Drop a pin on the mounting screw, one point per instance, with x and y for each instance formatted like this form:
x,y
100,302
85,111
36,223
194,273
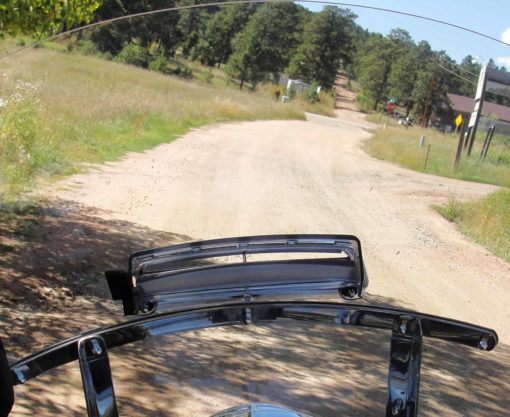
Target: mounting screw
x,y
248,318
247,297
484,344
397,406
349,293
96,348
403,327
20,375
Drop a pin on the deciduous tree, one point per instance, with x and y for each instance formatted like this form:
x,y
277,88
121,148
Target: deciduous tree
x,y
41,18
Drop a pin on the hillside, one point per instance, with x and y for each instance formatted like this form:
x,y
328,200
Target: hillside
x,y
62,109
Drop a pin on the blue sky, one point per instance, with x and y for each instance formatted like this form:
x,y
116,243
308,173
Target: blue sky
x,y
491,17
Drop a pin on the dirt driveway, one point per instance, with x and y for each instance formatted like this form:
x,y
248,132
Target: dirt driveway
x,y
297,177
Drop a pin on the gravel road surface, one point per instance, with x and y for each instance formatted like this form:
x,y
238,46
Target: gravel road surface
x,y
297,177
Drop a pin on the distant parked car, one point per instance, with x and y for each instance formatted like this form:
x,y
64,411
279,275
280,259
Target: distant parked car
x,y
405,121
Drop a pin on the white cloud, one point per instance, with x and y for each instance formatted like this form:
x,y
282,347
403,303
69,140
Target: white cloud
x,y
503,60
505,36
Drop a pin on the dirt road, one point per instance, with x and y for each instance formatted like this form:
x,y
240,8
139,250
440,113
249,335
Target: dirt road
x,y
310,177
270,177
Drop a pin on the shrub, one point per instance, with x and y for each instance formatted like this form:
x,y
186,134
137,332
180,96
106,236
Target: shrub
x,y
209,76
24,148
452,211
134,54
311,93
87,47
159,63
182,72
291,91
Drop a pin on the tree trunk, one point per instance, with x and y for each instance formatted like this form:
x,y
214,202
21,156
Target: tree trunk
x,y
377,100
427,117
408,109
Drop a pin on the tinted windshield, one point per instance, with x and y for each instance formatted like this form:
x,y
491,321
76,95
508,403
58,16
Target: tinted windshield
x,y
190,121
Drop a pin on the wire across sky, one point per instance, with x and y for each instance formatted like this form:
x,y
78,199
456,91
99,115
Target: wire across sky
x,y
230,2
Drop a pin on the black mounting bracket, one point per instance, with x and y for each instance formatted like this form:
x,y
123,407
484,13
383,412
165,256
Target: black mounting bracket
x,y
96,377
405,363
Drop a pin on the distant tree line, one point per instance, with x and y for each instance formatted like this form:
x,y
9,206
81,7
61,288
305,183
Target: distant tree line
x,y
254,42
419,78
257,42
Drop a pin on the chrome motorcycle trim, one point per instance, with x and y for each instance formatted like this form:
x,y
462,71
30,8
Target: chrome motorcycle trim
x,y
256,313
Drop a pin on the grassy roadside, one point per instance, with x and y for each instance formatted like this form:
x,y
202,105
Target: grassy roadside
x,y
62,109
486,221
401,146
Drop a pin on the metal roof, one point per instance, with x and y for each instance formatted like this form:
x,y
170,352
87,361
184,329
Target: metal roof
x,y
466,104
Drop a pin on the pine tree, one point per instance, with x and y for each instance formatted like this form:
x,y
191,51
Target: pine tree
x,y
263,49
326,43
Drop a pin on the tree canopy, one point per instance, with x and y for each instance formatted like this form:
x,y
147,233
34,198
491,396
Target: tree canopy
x,y
258,42
41,18
326,44
264,47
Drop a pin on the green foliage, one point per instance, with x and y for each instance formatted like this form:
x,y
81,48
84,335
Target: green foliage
x,y
134,54
159,29
422,93
209,76
395,66
192,26
41,18
56,122
365,103
326,43
311,93
400,145
182,72
291,91
215,47
25,148
487,220
87,47
452,211
159,63
466,88
374,67
402,78
266,44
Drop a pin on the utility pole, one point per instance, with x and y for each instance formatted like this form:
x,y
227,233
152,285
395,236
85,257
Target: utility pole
x,y
459,145
425,116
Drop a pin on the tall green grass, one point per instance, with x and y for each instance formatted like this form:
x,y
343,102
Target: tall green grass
x,y
487,221
64,109
401,146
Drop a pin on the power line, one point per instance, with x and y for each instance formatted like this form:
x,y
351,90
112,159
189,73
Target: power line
x,y
461,68
472,82
460,76
221,3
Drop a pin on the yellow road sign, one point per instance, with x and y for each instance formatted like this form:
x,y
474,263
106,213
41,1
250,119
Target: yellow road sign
x,y
458,120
